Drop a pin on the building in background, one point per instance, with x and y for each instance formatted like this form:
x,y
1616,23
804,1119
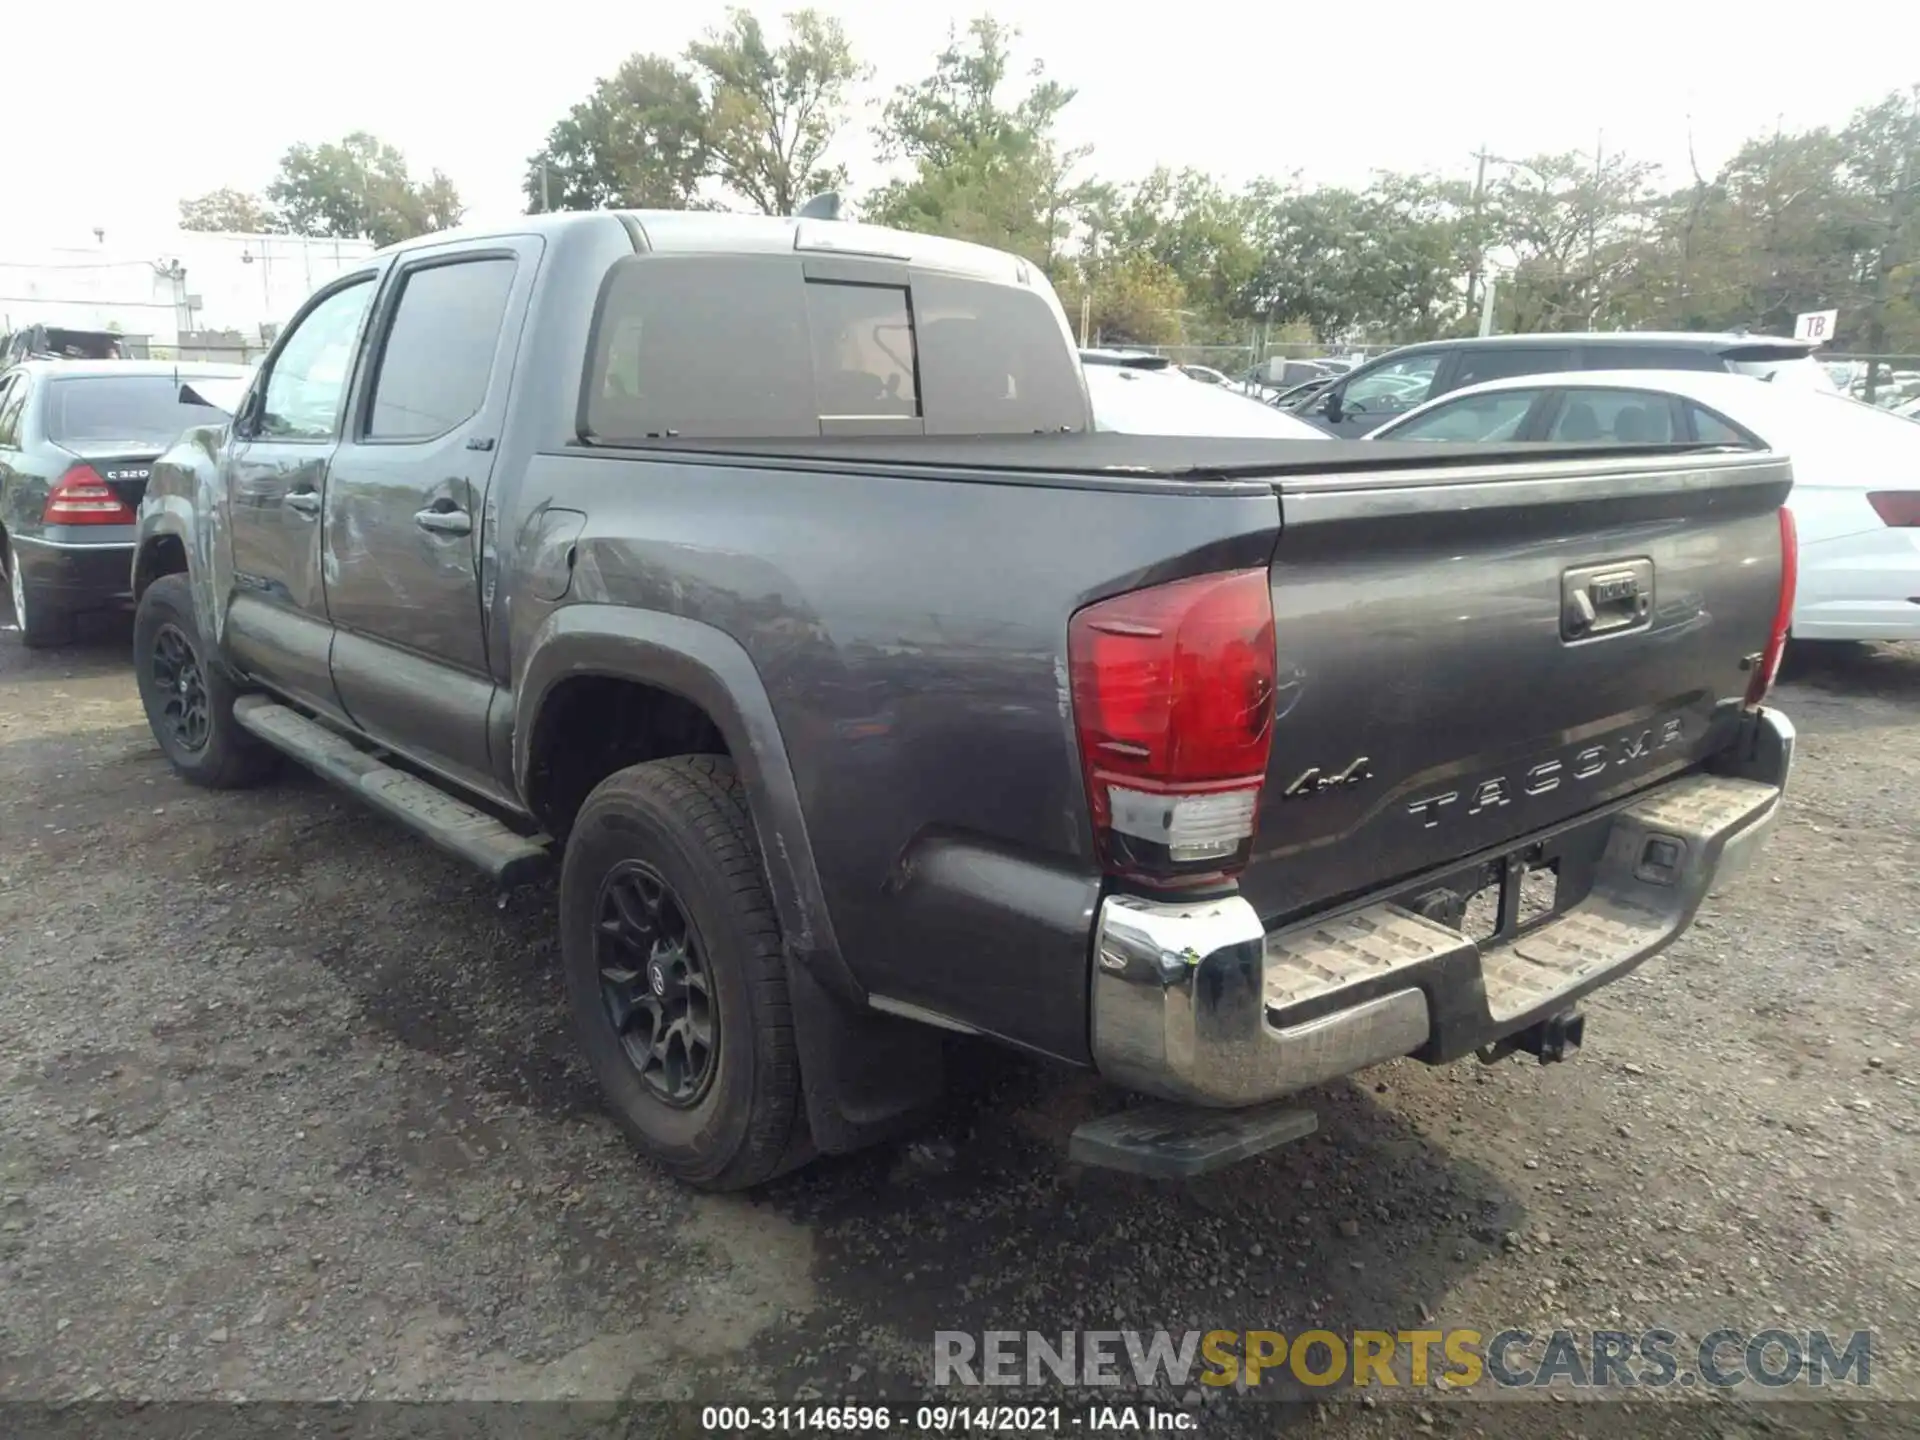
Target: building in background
x,y
175,294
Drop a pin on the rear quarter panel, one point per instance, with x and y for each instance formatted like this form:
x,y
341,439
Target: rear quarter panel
x,y
911,637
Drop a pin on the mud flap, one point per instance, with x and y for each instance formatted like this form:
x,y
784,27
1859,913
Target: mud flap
x,y
866,1076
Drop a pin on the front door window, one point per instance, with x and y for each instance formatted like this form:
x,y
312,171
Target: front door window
x,y
309,376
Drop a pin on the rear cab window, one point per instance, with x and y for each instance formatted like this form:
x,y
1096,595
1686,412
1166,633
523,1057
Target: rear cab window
x,y
776,346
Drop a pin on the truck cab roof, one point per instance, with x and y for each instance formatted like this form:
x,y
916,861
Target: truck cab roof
x,y
716,232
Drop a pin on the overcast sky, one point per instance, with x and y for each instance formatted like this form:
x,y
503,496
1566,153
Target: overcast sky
x,y
122,108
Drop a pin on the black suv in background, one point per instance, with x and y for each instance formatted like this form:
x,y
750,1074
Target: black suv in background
x,y
1396,382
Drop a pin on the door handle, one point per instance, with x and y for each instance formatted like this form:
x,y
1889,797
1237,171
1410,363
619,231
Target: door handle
x,y
306,502
444,522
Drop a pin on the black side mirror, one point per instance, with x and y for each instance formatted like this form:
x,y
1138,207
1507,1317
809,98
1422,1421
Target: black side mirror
x,y
1330,405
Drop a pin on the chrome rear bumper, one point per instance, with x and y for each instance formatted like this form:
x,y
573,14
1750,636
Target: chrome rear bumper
x,y
1200,1003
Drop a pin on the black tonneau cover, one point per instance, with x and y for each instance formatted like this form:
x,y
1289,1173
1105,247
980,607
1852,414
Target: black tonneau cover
x,y
1173,457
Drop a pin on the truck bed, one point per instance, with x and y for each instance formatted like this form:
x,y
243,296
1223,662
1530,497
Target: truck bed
x,y
906,603
1165,457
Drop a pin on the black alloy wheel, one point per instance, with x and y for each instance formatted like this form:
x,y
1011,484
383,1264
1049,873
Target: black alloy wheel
x,y
176,675
655,984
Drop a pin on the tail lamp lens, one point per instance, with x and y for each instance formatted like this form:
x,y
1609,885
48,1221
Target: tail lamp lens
x,y
1173,703
81,497
1769,666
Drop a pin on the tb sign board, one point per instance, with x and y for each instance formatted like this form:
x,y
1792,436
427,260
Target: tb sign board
x,y
1816,325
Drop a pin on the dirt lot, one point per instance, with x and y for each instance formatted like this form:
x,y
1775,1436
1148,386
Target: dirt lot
x,y
288,1109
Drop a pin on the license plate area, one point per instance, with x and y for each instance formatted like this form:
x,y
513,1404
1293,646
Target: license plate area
x,y
1495,896
1498,900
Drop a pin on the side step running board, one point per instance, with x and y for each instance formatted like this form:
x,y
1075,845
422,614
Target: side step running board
x,y
455,826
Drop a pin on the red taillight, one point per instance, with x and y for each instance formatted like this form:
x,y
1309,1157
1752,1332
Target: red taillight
x,y
1173,702
1769,666
81,497
1898,508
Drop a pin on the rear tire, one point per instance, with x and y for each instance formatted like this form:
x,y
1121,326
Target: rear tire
x,y
675,974
188,695
42,625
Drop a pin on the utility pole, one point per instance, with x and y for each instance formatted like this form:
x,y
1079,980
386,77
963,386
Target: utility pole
x,y
1593,225
545,204
1086,297
1479,240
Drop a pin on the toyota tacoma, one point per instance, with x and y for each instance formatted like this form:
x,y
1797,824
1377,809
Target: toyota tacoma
x,y
769,578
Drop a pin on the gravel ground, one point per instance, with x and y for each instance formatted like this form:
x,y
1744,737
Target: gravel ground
x,y
288,1109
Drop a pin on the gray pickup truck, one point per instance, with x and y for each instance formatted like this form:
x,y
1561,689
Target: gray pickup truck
x,y
768,576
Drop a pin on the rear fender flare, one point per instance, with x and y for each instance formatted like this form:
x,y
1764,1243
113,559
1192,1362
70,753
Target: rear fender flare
x,y
184,500
709,668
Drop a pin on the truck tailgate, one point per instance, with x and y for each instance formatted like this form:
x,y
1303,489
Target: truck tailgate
x,y
1469,654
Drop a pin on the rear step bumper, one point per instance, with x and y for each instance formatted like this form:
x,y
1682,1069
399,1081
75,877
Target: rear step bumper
x,y
1199,1003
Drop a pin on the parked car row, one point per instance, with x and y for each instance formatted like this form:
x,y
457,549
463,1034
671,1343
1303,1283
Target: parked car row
x,y
1397,382
1856,469
78,439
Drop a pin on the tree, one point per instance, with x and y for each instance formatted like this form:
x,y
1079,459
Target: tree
x,y
984,169
233,210
773,111
1186,225
1573,229
639,141
1883,169
1129,300
359,186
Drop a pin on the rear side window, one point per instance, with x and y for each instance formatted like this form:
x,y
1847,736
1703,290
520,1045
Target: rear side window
x,y
1650,357
13,399
1712,429
439,349
700,346
995,360
1496,415
1488,362
1616,417
749,347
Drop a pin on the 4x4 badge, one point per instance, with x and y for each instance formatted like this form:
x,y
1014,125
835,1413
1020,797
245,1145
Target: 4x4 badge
x,y
1317,781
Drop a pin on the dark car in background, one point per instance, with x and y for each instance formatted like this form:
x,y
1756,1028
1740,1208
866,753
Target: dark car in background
x,y
57,342
1414,374
77,442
